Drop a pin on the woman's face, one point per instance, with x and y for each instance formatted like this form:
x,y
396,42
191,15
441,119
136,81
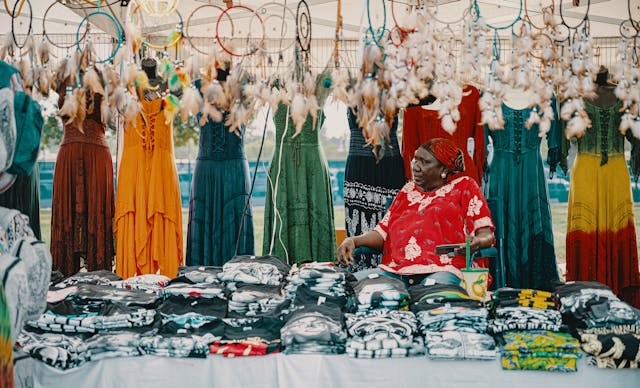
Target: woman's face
x,y
427,170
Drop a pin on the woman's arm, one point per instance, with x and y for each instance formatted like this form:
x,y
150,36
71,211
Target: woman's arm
x,y
371,239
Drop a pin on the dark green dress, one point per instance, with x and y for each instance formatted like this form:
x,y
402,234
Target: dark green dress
x,y
299,203
219,191
518,187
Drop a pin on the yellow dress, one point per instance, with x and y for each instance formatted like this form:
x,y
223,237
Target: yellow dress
x,y
131,226
164,209
148,207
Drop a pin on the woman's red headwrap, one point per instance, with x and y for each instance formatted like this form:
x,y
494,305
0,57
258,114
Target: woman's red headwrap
x,y
447,153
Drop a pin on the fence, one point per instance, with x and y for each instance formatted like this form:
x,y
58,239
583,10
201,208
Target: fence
x,y
558,186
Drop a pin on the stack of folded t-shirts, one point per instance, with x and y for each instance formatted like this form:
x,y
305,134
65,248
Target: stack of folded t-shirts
x,y
195,290
267,270
528,327
88,308
523,309
608,328
57,350
101,277
383,333
453,324
321,277
540,350
187,314
178,345
197,274
316,324
248,337
149,282
613,350
382,292
251,300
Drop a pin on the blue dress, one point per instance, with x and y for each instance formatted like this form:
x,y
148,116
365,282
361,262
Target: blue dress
x,y
219,191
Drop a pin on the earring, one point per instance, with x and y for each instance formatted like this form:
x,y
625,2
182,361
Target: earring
x,y
443,175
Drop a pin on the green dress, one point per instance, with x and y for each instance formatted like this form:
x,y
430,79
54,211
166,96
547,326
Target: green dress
x,y
518,191
298,214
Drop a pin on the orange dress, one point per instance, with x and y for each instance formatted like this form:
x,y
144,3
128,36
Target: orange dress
x,y
131,228
149,221
164,209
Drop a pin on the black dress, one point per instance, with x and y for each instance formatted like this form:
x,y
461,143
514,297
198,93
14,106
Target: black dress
x,y
369,187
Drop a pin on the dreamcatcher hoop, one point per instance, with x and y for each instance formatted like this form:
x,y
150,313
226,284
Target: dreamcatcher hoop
x,y
382,29
219,40
46,36
285,10
519,17
395,21
188,25
584,20
433,16
13,21
150,10
303,26
115,23
14,14
158,47
550,8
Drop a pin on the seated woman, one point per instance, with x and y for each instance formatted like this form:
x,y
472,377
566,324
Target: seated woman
x,y
427,212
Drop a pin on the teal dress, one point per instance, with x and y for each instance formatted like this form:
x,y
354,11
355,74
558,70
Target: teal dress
x,y
518,193
219,191
298,213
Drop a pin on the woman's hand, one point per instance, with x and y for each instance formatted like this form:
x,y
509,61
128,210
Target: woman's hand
x,y
482,239
345,252
474,245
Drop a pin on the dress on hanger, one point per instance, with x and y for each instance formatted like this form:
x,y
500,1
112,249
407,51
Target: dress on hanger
x,y
164,208
219,191
369,186
131,226
601,234
422,124
82,203
299,204
518,186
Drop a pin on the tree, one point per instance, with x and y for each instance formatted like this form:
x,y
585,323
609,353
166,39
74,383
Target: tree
x,y
51,132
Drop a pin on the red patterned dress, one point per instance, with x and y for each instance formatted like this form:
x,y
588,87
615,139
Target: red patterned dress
x,y
418,221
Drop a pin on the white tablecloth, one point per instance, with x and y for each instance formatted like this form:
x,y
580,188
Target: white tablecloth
x,y
310,371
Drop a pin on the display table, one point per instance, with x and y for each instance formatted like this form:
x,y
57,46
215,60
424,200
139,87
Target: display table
x,y
310,371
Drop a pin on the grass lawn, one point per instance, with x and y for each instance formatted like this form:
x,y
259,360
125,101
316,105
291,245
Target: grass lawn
x,y
558,215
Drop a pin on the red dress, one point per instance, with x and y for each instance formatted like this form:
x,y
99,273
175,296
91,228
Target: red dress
x,y
422,124
418,221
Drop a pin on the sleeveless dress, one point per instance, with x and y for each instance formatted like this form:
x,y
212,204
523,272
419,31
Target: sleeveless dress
x,y
421,124
131,227
518,186
298,213
164,209
83,198
601,234
219,191
369,187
